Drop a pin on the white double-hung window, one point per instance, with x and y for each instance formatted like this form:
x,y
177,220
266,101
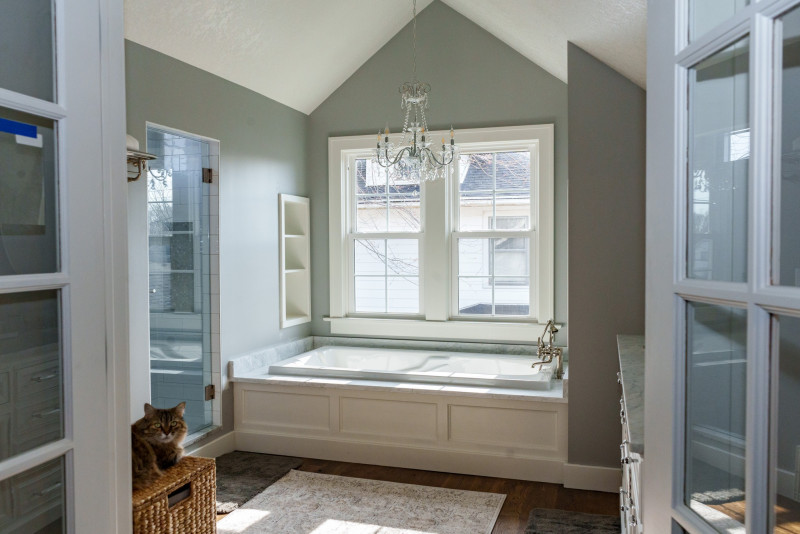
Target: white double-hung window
x,y
466,257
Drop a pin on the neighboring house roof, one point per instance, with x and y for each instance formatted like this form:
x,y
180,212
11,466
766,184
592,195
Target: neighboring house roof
x,y
510,172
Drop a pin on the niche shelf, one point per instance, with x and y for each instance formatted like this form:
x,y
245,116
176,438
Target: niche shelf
x,y
295,258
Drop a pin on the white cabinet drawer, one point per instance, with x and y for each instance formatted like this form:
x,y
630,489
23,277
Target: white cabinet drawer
x,y
5,386
36,424
35,381
38,489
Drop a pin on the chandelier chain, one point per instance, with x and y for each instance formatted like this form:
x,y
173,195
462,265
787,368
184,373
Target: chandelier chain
x,y
417,154
415,40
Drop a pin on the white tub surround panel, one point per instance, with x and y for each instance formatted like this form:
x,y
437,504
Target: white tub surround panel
x,y
404,425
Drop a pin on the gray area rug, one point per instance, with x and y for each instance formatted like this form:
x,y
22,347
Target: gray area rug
x,y
543,521
711,485
304,502
243,475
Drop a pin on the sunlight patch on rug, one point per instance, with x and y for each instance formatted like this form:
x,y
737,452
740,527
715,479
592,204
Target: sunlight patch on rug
x,y
313,503
332,526
248,518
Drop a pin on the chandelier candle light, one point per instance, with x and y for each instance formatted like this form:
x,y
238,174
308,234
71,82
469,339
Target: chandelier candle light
x,y
417,158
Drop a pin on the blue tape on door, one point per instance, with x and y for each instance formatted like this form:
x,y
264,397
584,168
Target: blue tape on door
x,y
17,128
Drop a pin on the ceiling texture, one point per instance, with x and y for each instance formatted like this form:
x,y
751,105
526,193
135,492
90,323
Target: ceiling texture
x,y
298,52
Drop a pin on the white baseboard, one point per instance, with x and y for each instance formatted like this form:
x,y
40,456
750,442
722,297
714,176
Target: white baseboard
x,y
718,449
592,477
448,461
222,445
728,454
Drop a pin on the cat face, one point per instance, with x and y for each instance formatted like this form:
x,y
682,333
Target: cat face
x,y
164,426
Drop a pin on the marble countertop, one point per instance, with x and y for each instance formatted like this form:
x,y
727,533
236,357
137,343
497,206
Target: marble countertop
x,y
631,365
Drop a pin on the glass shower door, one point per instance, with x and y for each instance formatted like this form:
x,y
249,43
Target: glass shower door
x,y
179,273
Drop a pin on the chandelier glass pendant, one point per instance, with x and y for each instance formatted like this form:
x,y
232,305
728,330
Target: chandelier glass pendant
x,y
415,156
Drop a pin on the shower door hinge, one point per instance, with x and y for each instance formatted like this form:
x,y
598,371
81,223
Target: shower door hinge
x,y
210,392
206,175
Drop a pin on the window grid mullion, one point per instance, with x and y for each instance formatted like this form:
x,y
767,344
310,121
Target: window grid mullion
x,y
386,191
494,190
491,271
762,113
386,269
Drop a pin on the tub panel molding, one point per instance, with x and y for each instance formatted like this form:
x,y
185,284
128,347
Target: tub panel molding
x,y
507,428
403,420
288,411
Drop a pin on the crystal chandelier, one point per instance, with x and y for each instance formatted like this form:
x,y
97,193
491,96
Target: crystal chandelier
x,y
415,156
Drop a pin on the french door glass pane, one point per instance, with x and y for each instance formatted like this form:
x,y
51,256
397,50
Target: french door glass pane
x,y
719,154
786,513
704,15
31,397
716,369
26,38
28,206
786,269
33,502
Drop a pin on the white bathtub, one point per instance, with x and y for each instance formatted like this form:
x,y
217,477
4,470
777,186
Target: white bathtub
x,y
395,365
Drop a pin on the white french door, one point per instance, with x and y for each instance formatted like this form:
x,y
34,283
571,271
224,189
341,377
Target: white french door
x,y
64,459
722,444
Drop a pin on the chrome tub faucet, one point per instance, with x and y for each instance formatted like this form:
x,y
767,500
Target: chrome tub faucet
x,y
546,353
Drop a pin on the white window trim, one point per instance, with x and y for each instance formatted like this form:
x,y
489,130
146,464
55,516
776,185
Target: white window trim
x,y
440,321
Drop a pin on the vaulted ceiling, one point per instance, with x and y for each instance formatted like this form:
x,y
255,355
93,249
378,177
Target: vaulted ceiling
x,y
299,51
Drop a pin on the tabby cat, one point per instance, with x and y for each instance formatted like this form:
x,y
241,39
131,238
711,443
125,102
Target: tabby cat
x,y
156,442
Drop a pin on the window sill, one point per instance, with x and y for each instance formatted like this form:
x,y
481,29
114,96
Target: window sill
x,y
441,330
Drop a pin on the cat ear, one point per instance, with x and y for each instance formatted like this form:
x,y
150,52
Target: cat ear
x,y
180,408
148,409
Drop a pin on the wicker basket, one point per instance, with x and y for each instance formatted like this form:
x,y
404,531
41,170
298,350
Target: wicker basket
x,y
183,501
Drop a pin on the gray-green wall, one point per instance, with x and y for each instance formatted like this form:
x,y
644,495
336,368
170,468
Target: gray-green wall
x,y
263,153
477,81
606,247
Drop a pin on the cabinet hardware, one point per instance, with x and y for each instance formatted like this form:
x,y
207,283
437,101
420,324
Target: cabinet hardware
x,y
42,378
41,415
46,491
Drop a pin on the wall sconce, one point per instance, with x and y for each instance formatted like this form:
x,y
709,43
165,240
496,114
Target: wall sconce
x,y
136,159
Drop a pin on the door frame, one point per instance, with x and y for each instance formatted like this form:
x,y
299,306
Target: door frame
x,y
667,287
90,114
214,282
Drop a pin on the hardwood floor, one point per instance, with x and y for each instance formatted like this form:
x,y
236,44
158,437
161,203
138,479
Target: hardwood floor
x,y
521,496
787,514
